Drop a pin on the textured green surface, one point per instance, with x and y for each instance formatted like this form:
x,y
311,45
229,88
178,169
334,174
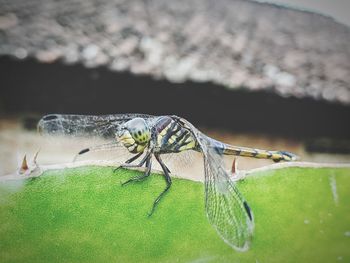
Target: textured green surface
x,y
84,215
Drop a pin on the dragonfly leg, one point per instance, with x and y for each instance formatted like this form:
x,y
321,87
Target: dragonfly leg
x,y
144,175
128,165
135,157
168,183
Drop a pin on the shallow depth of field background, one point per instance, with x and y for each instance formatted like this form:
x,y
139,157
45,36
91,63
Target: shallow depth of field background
x,y
247,73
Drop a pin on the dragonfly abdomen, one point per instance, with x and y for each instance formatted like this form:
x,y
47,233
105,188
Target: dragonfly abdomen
x,y
226,149
258,153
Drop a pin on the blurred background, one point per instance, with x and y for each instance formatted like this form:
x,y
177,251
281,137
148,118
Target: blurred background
x,y
258,74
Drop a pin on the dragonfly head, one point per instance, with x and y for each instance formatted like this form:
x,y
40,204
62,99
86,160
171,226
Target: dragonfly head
x,y
134,133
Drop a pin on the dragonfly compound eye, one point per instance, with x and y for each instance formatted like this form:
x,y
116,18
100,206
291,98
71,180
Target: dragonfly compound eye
x,y
139,130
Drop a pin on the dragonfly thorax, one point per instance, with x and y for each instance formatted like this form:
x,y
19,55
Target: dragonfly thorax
x,y
134,135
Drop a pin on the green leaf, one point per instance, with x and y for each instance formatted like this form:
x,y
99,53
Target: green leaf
x,y
85,215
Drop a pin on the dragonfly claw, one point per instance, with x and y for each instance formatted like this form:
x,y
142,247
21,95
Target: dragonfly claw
x,y
127,182
116,169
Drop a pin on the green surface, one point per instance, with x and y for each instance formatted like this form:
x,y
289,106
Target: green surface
x,y
84,215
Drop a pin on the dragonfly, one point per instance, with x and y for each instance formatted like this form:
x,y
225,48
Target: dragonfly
x,y
145,136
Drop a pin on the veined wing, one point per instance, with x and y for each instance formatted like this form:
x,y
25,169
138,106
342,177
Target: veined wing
x,y
183,163
226,209
80,125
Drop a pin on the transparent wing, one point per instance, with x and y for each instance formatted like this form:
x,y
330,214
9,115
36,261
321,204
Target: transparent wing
x,y
80,125
227,210
187,164
117,154
113,150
